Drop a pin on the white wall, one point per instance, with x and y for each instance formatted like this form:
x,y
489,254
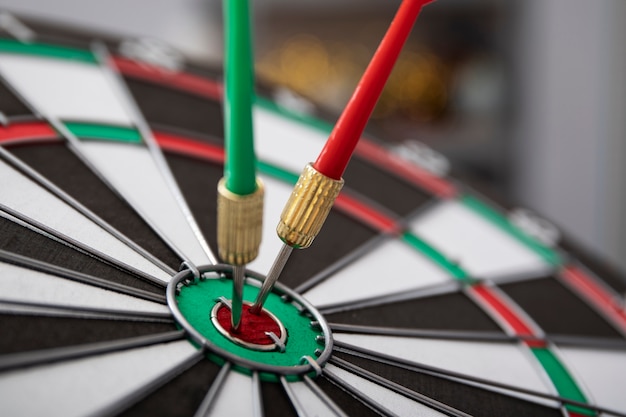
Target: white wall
x,y
187,25
570,149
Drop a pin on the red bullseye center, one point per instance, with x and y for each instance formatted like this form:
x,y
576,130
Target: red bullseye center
x,y
253,328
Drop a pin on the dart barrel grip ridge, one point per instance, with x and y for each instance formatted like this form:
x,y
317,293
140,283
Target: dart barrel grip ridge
x,y
307,208
239,224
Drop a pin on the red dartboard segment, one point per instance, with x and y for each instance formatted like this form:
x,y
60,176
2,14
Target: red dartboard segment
x,y
18,132
412,173
189,147
596,294
367,214
492,301
180,80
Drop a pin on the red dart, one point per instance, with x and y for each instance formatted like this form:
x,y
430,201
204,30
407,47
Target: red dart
x,y
320,183
335,155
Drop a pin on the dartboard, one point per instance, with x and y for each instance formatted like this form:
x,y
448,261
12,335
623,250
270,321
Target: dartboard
x,y
419,297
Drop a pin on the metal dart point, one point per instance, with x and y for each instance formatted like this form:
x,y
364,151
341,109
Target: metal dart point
x,y
272,277
301,220
237,300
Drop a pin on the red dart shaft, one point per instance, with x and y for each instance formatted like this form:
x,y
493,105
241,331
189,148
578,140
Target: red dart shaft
x,y
338,149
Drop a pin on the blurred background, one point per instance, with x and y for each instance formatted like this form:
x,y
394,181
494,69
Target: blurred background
x,y
527,98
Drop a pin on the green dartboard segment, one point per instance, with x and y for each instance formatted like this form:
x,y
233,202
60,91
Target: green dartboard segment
x,y
195,302
562,380
311,121
278,173
49,51
104,132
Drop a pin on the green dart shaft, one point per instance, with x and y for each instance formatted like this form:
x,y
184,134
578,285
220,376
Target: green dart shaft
x,y
240,164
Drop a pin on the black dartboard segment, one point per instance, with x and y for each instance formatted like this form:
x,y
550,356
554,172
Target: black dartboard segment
x,y
348,403
22,241
188,112
444,312
380,186
12,106
571,317
180,396
23,333
438,302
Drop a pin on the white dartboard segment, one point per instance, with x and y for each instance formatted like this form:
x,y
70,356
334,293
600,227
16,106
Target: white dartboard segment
x,y
90,385
25,196
602,372
391,268
132,170
234,397
477,245
508,364
64,89
22,285
277,136
390,400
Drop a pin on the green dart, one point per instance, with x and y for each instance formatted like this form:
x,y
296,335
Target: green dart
x,y
240,193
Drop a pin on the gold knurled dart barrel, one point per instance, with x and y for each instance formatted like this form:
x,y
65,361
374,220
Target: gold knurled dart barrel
x,y
239,224
307,208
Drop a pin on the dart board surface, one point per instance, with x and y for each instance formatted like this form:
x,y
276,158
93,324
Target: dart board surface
x,y
419,297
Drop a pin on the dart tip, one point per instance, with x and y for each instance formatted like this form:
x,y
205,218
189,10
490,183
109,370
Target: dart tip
x,y
237,301
272,277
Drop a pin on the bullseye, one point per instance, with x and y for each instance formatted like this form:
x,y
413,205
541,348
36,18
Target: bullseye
x,y
261,331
